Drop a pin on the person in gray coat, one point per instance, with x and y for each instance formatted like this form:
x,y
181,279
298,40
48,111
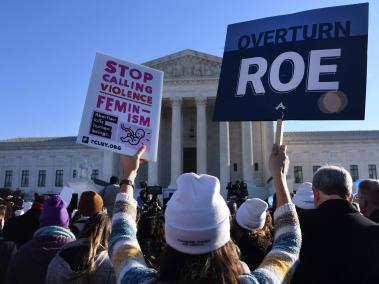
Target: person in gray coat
x,y
85,260
109,195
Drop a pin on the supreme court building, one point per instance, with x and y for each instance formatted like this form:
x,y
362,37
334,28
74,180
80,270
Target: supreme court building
x,y
190,141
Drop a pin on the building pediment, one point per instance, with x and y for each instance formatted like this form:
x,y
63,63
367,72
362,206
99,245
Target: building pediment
x,y
188,64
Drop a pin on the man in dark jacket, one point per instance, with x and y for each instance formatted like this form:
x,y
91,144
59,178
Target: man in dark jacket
x,y
110,193
369,198
7,248
20,229
339,244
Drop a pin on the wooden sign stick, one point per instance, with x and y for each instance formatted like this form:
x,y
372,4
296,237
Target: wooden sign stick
x,y
279,132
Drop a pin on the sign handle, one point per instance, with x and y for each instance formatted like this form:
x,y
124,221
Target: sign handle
x,y
279,132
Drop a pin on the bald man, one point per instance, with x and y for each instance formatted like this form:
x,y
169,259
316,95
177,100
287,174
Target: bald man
x,y
369,198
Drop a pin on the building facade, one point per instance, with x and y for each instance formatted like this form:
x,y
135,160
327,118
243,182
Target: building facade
x,y
190,141
44,165
356,151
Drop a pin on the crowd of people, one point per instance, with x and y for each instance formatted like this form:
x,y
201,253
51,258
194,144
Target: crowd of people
x,y
321,234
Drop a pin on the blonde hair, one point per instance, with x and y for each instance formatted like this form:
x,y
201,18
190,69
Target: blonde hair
x,y
96,231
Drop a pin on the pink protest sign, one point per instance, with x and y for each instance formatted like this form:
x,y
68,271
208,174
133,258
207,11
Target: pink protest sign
x,y
122,108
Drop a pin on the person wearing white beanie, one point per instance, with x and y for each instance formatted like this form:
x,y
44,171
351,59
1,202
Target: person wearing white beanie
x,y
197,217
252,214
304,198
252,230
199,248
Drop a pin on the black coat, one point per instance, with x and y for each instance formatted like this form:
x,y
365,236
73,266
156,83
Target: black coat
x,y
21,229
339,246
7,250
254,252
374,216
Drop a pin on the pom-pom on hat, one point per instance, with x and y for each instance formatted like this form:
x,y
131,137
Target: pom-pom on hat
x,y
252,214
90,203
304,197
197,217
54,213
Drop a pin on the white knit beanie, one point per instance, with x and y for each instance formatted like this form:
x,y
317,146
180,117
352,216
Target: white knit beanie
x,y
304,197
252,214
197,217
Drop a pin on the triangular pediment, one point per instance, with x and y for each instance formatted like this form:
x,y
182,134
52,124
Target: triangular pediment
x,y
187,64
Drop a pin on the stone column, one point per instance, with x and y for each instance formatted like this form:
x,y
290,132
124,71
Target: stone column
x,y
50,186
201,135
176,140
16,177
267,142
2,171
224,156
107,170
33,175
247,154
153,173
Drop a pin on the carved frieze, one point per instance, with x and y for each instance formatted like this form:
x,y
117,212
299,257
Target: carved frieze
x,y
189,66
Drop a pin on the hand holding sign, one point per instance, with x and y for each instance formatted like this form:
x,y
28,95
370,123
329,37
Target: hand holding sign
x,y
131,164
279,162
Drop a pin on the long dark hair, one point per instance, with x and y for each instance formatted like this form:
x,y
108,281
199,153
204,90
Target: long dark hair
x,y
96,231
254,244
219,266
150,235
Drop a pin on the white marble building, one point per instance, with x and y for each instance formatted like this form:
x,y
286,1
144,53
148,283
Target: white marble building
x,y
45,164
189,141
357,151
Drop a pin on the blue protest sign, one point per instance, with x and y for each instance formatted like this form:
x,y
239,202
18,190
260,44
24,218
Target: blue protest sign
x,y
304,66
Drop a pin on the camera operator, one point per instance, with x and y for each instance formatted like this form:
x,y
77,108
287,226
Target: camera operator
x,y
153,201
149,198
150,233
142,197
237,193
233,190
244,192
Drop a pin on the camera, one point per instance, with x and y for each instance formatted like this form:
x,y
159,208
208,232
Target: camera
x,y
148,198
154,190
237,192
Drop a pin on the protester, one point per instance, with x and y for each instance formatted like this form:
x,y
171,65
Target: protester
x,y
251,231
197,233
244,191
9,211
141,199
339,244
233,207
368,197
85,260
110,193
90,203
303,198
7,248
152,201
150,236
20,229
3,209
30,263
